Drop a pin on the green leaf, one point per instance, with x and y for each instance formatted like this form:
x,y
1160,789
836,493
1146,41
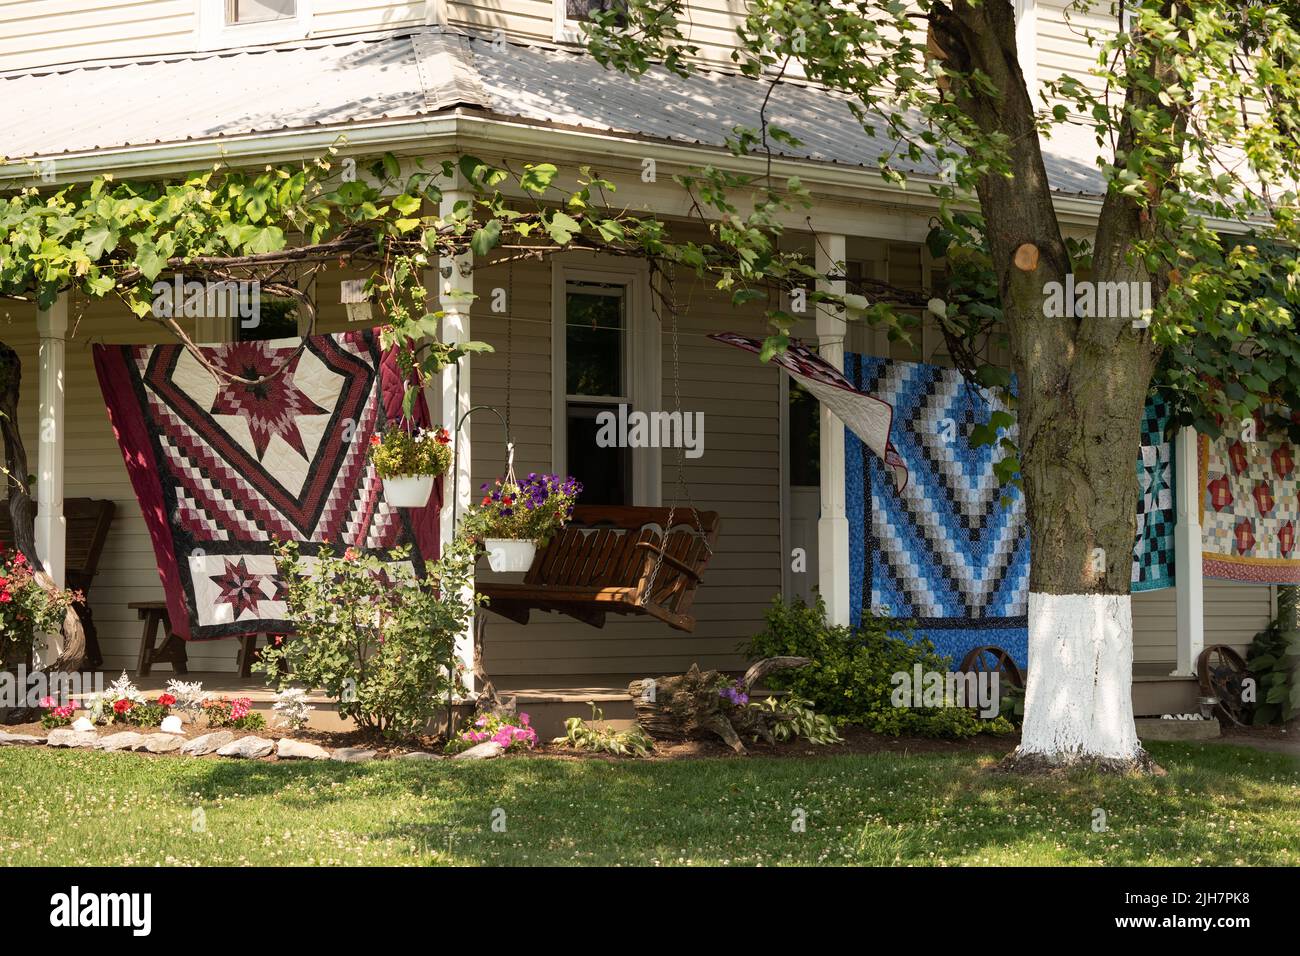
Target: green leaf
x,y
486,238
406,204
268,239
562,228
537,178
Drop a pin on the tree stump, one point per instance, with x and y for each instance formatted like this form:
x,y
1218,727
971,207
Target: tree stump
x,y
689,706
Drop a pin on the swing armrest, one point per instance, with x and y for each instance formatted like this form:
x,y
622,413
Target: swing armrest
x,y
679,565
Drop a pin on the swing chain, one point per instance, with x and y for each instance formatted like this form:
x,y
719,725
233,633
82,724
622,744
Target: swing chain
x,y
670,276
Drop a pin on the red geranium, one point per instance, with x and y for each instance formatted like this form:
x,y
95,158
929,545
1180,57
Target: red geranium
x,y
166,699
121,706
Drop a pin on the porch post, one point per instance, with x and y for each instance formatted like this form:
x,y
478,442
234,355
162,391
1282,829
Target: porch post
x,y
833,525
1188,580
455,288
51,536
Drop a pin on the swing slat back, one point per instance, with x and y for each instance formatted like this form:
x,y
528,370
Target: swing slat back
x,y
604,561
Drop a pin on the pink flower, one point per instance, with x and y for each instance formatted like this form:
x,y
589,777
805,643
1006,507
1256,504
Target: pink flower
x,y
48,702
523,719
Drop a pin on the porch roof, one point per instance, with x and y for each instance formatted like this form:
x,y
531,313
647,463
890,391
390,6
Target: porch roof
x,y
346,84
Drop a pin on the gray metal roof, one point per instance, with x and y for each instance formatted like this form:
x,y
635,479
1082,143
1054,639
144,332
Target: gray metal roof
x,y
354,82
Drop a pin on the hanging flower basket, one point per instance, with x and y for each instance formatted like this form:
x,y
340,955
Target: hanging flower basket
x,y
510,554
409,491
409,463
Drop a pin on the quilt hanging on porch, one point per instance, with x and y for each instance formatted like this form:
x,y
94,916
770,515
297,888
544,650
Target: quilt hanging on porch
x,y
221,468
1250,508
943,552
1153,552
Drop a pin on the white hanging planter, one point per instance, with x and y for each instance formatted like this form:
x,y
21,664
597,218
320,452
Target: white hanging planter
x,y
510,554
408,491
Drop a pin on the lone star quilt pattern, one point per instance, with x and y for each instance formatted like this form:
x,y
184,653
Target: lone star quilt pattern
x,y
944,552
1250,508
223,468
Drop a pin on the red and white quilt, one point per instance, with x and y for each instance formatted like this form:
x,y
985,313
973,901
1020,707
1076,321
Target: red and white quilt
x,y
222,469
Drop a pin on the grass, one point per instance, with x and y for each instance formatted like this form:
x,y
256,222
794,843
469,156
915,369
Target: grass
x,y
1218,805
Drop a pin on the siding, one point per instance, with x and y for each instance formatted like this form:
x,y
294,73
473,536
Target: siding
x,y
43,32
738,476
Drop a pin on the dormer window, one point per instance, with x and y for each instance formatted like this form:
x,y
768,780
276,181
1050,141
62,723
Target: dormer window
x,y
227,24
259,11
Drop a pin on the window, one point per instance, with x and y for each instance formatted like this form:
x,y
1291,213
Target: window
x,y
606,347
223,24
258,11
596,380
569,14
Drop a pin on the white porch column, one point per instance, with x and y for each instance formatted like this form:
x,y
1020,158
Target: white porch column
x,y
1189,583
833,525
51,529
455,285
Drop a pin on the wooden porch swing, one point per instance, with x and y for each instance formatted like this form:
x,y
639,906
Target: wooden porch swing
x,y
614,559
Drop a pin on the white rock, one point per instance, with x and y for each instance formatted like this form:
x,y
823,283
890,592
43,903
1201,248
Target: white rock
x,y
352,755
207,743
249,747
124,740
8,740
484,751
83,724
66,737
171,724
288,749
162,743
419,755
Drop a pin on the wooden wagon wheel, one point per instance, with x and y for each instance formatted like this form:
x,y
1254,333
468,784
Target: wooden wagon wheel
x,y
992,659
1221,671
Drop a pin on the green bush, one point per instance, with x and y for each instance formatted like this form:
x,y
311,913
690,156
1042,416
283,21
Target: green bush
x,y
1274,660
372,635
849,679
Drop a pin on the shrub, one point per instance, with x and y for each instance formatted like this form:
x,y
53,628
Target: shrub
x,y
1274,660
56,714
532,510
371,634
849,679
802,720
123,703
402,454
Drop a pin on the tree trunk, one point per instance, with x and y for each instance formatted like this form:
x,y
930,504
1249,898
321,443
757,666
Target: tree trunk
x,y
22,509
1082,384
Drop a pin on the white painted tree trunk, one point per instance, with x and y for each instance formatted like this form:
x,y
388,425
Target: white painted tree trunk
x,y
1078,699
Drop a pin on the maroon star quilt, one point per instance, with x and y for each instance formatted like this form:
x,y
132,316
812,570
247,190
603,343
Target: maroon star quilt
x,y
223,469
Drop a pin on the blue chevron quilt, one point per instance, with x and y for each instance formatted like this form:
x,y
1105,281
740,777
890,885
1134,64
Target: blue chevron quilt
x,y
948,553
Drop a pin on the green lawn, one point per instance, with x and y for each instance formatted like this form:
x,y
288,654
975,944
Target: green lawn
x,y
1218,805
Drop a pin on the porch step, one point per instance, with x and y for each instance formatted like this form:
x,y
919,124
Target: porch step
x,y
548,708
1156,728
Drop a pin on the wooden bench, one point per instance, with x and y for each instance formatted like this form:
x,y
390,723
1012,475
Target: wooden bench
x,y
87,521
604,562
171,651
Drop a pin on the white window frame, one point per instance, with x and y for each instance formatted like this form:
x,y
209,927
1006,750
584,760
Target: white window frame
x,y
642,362
566,31
215,34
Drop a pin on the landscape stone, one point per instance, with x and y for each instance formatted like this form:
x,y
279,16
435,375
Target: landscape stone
x,y
162,743
352,755
484,751
207,743
65,737
250,748
11,740
288,749
419,755
123,740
